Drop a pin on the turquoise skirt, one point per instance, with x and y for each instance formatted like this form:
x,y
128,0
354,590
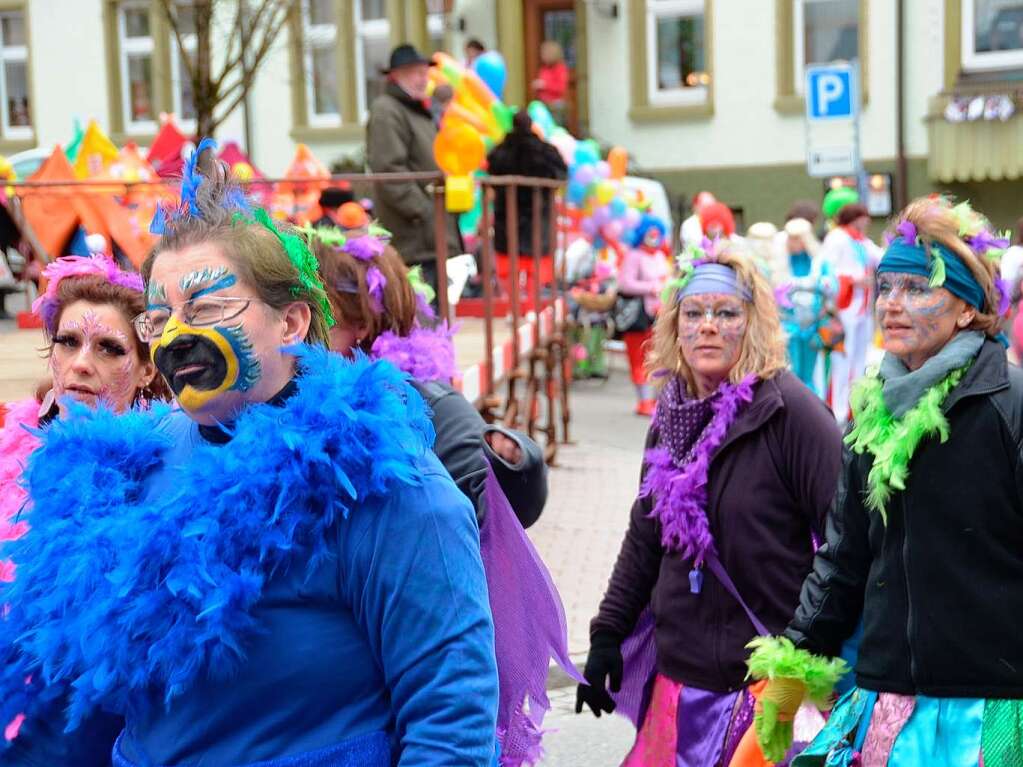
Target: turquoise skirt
x,y
869,729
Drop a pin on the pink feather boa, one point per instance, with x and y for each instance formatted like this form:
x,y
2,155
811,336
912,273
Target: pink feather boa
x,y
45,306
17,443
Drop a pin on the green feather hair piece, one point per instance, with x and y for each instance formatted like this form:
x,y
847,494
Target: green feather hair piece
x,y
937,269
420,286
300,256
778,658
685,266
893,441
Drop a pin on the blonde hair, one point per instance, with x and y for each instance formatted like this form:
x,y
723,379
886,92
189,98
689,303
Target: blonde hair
x,y
553,50
936,222
763,344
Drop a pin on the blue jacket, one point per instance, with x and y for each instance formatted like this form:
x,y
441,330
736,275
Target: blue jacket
x,y
371,647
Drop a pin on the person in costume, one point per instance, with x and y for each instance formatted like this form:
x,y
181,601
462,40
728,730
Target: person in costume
x,y
853,257
380,313
644,271
925,544
686,594
278,572
94,359
809,287
383,310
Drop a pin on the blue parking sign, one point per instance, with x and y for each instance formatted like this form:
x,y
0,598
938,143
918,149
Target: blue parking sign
x,y
830,92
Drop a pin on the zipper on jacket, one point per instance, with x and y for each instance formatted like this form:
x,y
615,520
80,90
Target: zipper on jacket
x,y
909,591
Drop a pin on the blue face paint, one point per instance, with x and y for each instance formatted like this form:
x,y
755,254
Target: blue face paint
x,y
227,281
202,277
249,369
156,297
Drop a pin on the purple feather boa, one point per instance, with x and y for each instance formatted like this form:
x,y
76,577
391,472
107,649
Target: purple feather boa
x,y
426,354
680,492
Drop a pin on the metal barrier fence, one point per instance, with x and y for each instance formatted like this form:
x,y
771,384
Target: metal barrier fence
x,y
534,375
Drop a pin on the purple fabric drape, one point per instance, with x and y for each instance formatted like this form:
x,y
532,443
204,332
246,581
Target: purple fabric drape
x,y
639,655
529,628
703,719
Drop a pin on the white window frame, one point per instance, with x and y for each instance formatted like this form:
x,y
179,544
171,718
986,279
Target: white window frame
x,y
317,36
189,45
798,47
987,61
376,29
656,9
17,54
435,26
134,46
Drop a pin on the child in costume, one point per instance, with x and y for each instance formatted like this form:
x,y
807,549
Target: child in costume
x,y
731,425
280,571
641,278
95,359
383,312
925,544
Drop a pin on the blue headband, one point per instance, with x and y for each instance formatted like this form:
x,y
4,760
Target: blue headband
x,y
715,278
913,259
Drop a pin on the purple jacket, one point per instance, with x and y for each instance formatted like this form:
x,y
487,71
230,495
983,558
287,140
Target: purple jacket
x,y
771,484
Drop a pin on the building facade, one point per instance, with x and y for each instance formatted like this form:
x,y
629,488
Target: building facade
x,y
705,94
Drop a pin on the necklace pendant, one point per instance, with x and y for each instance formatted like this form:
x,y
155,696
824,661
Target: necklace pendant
x,y
695,581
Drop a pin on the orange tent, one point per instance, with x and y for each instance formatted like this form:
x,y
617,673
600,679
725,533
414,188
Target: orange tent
x,y
300,200
55,213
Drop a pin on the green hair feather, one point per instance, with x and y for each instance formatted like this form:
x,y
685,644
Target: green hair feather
x,y
300,256
893,441
778,658
937,269
420,286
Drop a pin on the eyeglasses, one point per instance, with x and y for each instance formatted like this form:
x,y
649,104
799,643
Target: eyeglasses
x,y
199,312
723,317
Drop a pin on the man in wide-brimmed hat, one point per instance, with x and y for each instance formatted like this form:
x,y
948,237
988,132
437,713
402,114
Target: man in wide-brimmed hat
x,y
399,138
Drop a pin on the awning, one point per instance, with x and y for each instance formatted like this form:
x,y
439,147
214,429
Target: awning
x,y
979,150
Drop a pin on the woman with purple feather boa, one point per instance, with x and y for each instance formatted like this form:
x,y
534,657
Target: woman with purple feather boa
x,y
740,466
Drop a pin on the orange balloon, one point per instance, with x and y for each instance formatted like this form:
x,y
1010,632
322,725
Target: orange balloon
x,y
618,160
458,149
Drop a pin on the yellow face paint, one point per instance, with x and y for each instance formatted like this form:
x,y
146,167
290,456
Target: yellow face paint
x,y
206,354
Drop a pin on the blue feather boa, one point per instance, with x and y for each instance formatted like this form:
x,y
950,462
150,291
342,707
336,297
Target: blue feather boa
x,y
121,593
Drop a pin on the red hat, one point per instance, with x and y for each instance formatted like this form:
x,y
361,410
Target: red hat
x,y
720,214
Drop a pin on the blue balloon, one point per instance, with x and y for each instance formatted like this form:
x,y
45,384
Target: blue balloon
x,y
618,207
585,155
492,71
576,192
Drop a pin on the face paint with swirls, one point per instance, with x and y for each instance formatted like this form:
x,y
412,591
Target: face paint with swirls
x,y
916,320
92,361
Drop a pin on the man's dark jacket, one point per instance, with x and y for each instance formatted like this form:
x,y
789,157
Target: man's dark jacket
x,y
399,139
770,485
940,587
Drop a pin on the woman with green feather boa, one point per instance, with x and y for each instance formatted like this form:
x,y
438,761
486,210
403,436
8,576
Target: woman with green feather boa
x,y
925,543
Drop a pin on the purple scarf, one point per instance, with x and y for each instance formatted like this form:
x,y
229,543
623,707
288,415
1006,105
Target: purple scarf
x,y
677,471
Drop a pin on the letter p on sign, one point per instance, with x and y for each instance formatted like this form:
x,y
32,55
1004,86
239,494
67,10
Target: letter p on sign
x,y
829,93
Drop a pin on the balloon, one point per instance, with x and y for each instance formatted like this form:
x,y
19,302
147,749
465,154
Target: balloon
x,y
242,171
618,208
576,192
632,218
614,230
584,174
588,227
603,169
584,154
458,149
605,192
541,116
565,144
618,160
491,69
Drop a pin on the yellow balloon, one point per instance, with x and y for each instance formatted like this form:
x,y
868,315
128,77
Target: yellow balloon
x,y
605,192
242,171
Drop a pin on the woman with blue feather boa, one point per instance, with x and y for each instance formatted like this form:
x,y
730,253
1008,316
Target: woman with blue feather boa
x,y
277,571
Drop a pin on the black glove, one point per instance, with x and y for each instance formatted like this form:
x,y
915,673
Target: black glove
x,y
603,662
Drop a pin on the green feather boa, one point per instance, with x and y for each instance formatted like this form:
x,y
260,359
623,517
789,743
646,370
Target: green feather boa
x,y
892,441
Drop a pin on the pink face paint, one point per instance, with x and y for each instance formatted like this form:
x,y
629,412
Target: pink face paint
x,y
92,362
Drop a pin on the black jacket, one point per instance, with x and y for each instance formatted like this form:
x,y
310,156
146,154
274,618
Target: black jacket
x,y
770,485
466,455
524,154
940,589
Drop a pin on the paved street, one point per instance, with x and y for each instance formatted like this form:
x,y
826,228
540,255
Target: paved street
x,y
591,492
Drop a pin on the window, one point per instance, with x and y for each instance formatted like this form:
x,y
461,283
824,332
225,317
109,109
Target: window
x,y
992,34
16,109
136,63
435,25
373,49
825,31
320,35
183,96
676,50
